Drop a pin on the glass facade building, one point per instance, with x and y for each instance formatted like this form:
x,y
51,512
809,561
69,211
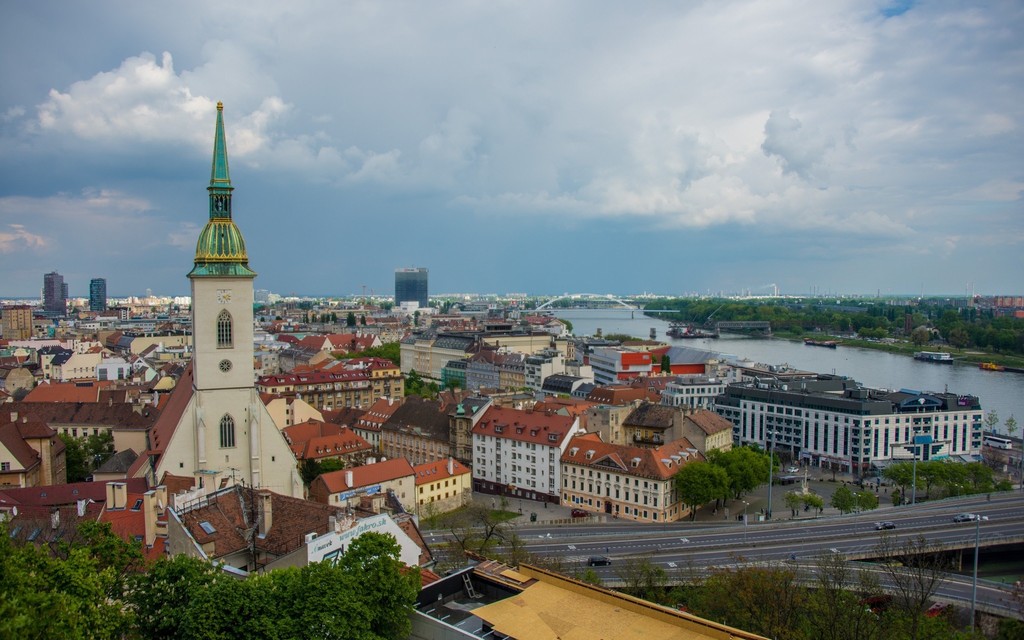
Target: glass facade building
x,y
411,286
98,294
55,295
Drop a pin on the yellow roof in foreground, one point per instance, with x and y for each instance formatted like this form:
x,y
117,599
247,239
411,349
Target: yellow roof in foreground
x,y
561,608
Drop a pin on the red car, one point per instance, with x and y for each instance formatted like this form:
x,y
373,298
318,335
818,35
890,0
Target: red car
x,y
580,513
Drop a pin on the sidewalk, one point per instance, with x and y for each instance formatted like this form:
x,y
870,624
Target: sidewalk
x,y
819,482
755,502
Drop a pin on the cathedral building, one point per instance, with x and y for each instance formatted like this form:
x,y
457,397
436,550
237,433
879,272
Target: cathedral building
x,y
215,429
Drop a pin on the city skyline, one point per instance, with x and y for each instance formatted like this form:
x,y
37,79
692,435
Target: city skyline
x,y
848,148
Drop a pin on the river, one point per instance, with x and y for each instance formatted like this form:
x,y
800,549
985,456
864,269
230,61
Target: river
x,y
1003,392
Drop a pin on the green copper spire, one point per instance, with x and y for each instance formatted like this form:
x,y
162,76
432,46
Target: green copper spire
x,y
220,250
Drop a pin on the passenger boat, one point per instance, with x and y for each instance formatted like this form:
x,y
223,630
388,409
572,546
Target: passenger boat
x,y
991,366
831,344
688,331
939,357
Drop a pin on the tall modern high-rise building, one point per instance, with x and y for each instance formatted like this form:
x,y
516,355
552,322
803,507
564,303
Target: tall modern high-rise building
x,y
98,294
55,294
411,286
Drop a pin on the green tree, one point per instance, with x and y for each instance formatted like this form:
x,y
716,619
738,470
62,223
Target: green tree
x,y
899,474
698,483
98,448
362,319
384,587
843,499
793,500
160,597
930,472
815,502
666,364
309,469
765,600
865,500
746,468
74,459
350,319
920,336
43,596
991,420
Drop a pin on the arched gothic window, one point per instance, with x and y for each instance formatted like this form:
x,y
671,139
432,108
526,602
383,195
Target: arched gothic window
x,y
224,337
227,432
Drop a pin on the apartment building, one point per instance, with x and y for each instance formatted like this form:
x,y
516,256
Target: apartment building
x,y
517,453
626,482
615,364
834,422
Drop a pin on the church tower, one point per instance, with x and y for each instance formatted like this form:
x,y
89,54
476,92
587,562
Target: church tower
x,y
222,287
223,433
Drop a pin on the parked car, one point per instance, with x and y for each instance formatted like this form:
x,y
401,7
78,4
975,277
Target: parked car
x,y
580,513
598,561
884,525
965,517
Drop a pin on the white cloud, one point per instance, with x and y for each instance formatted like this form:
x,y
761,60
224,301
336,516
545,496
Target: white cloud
x,y
18,238
799,149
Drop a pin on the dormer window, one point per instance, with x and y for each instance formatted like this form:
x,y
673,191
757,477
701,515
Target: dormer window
x,y
635,463
552,437
590,454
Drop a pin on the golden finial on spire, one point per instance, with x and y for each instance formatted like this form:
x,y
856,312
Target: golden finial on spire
x,y
220,106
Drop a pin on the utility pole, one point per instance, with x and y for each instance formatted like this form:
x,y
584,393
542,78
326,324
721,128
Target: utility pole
x,y
974,581
771,472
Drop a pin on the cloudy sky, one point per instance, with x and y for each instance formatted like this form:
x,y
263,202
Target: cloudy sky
x,y
673,147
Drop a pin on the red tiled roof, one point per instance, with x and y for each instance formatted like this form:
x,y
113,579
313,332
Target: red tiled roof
x,y
645,463
524,426
331,442
291,519
12,440
68,391
708,421
367,475
438,470
60,494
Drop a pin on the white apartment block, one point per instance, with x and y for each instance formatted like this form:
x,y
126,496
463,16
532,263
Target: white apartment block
x,y
834,422
516,453
695,391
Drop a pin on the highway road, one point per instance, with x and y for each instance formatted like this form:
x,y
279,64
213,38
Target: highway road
x,y
685,546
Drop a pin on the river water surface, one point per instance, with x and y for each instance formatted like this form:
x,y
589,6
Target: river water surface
x,y
1003,392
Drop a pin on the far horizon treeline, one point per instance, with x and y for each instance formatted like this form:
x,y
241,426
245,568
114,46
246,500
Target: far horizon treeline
x,y
930,321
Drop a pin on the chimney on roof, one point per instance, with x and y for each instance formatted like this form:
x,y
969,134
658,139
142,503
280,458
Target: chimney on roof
x,y
451,466
266,512
348,478
14,416
117,495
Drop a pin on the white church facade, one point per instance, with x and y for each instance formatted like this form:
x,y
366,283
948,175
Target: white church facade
x,y
215,428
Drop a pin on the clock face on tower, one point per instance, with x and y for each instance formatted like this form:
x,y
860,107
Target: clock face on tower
x,y
223,296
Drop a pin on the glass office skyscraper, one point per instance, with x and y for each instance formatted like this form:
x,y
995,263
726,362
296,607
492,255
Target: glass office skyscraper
x,y
411,286
98,294
55,295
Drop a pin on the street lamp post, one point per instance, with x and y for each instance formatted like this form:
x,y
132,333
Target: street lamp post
x,y
913,483
771,472
745,505
974,581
